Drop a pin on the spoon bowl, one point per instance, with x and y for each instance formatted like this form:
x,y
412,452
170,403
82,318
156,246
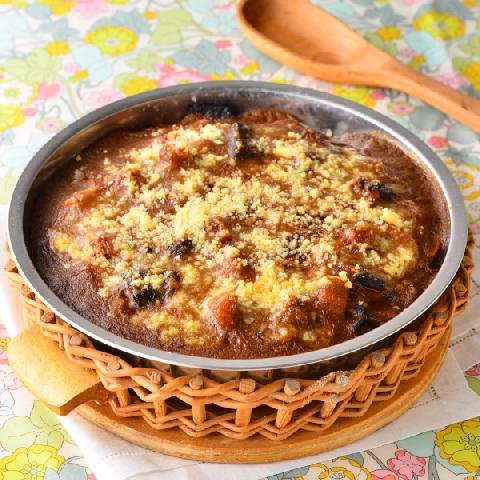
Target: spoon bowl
x,y
292,28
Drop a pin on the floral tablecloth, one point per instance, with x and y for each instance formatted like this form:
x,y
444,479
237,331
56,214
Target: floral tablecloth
x,y
62,58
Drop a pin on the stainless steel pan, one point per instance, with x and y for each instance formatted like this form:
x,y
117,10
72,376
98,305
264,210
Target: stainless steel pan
x,y
319,110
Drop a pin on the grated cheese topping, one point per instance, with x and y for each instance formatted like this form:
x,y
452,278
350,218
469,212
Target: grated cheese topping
x,y
269,219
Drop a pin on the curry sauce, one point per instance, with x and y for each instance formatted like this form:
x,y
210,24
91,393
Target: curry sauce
x,y
239,236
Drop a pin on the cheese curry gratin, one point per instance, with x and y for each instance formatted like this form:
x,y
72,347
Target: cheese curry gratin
x,y
238,236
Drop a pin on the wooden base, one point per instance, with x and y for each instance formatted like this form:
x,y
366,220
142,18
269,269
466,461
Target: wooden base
x,y
219,449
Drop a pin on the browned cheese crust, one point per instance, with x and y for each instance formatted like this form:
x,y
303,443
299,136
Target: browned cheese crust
x,y
241,237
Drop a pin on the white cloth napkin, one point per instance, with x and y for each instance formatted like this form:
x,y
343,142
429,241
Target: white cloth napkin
x,y
448,400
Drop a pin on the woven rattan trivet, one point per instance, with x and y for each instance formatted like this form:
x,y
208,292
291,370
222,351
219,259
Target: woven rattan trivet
x,y
246,417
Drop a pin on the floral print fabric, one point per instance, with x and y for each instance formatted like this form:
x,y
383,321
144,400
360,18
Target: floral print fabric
x,y
60,59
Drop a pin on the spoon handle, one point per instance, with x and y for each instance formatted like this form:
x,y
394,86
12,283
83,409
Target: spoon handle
x,y
462,107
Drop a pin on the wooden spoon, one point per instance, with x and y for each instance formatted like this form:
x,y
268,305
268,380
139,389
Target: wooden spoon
x,y
307,38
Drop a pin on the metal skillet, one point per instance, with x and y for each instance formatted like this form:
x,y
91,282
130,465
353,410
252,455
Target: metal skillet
x,y
318,110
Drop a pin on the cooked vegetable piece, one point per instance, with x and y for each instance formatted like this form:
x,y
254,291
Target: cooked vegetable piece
x,y
103,245
332,299
82,198
224,314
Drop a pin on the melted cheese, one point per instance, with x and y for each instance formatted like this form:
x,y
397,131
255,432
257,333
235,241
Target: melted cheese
x,y
303,187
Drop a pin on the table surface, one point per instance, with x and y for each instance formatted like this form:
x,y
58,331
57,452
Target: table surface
x,y
60,59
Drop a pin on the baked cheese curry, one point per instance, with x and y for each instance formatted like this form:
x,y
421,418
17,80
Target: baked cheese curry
x,y
239,236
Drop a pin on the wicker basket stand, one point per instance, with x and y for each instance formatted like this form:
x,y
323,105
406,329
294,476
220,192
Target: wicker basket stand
x,y
206,414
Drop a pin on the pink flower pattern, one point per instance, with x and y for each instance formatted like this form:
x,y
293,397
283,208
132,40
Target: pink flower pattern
x,y
402,108
438,142
49,90
90,8
377,94
8,381
29,111
72,68
222,43
406,464
241,60
50,125
474,371
452,79
383,474
102,97
170,75
3,357
408,53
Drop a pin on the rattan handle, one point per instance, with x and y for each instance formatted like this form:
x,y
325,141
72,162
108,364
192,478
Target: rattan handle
x,y
45,370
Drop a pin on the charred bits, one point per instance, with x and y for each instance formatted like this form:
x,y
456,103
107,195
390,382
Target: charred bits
x,y
212,111
359,314
147,295
384,192
370,282
141,298
180,248
379,191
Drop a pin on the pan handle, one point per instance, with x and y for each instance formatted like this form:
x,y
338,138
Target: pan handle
x,y
49,375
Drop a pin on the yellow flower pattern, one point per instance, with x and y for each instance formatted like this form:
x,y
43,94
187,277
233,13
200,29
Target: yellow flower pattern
x,y
113,40
440,25
58,7
343,468
14,3
229,75
10,117
149,15
472,73
250,68
30,463
79,76
417,61
356,94
138,85
460,444
4,344
389,33
56,48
